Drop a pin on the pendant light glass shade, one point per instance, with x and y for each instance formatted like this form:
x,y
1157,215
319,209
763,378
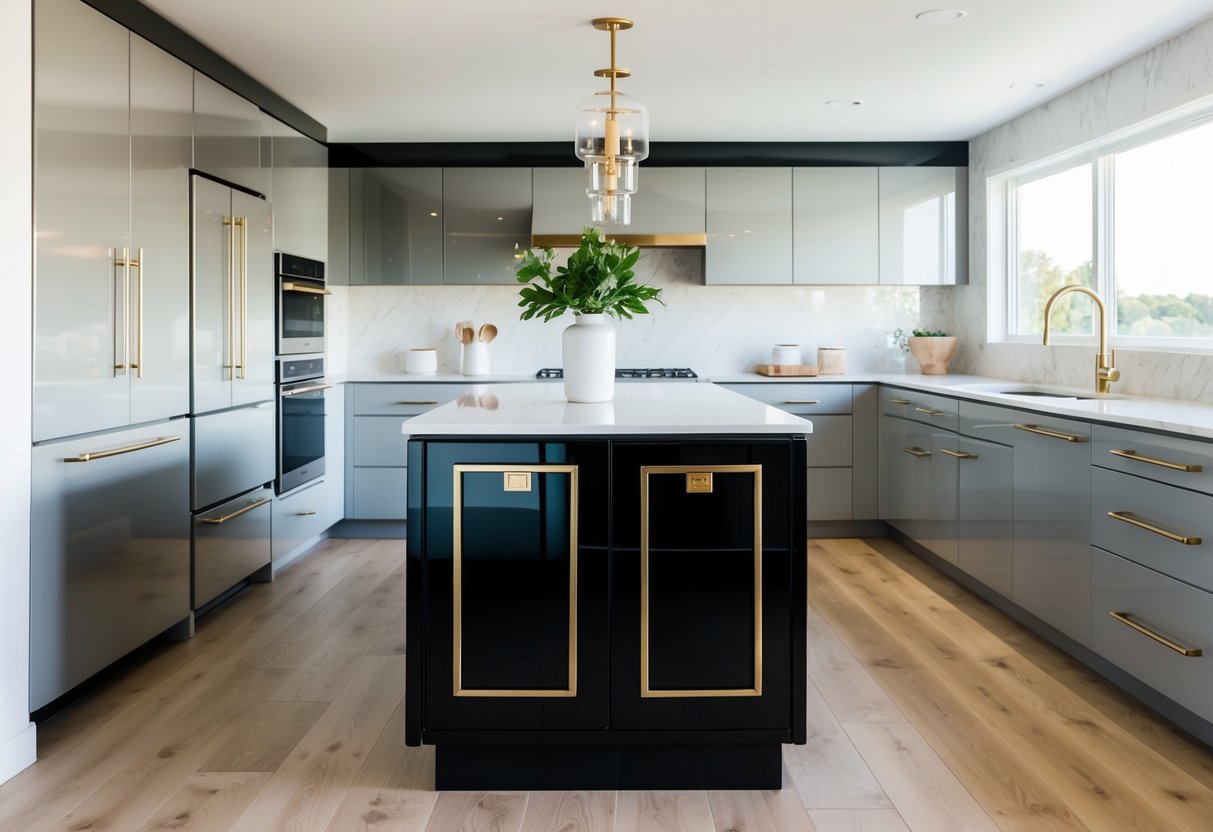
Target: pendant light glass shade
x,y
612,137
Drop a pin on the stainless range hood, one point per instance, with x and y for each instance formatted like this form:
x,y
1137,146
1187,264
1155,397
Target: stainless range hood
x,y
698,240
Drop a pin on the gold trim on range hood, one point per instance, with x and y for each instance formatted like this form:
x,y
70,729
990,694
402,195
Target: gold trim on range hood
x,y
642,240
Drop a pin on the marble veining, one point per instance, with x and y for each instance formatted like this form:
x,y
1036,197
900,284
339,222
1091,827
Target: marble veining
x,y
1175,73
707,328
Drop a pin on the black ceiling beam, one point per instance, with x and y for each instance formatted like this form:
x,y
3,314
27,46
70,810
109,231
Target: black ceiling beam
x,y
146,23
662,154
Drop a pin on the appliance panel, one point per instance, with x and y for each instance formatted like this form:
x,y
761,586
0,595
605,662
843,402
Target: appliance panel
x,y
233,453
231,542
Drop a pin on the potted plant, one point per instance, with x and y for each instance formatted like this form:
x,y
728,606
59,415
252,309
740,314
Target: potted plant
x,y
596,282
932,350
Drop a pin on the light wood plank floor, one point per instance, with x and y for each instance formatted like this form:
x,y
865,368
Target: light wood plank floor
x,y
928,711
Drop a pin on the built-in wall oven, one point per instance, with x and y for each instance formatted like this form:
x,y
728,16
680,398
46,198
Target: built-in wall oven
x,y
301,408
301,294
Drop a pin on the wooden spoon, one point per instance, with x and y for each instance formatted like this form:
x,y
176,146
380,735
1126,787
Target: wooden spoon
x,y
487,333
459,327
467,334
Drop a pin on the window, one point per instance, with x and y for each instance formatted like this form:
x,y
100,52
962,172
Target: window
x,y
1132,221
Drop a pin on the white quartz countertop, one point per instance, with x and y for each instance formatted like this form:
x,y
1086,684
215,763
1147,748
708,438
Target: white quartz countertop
x,y
649,408
430,378
1169,415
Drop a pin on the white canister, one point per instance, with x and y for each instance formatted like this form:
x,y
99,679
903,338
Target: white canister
x,y
475,359
786,354
421,361
831,361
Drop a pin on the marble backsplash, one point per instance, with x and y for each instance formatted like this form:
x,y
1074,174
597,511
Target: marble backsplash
x,y
1173,74
712,329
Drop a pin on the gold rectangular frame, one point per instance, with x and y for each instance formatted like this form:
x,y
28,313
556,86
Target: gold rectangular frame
x,y
645,472
457,566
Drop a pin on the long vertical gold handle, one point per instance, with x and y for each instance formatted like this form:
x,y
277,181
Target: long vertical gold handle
x,y
138,264
120,262
243,223
229,295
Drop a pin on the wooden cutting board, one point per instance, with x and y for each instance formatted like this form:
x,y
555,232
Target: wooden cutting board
x,y
787,370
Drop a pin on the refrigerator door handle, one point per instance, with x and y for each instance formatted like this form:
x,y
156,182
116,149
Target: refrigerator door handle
x,y
229,285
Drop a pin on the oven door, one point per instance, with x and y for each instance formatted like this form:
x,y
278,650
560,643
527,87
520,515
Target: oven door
x,y
300,433
300,315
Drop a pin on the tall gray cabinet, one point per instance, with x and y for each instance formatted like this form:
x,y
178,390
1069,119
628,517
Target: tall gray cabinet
x,y
110,526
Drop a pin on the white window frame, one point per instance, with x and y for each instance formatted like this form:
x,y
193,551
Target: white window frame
x,y
1003,249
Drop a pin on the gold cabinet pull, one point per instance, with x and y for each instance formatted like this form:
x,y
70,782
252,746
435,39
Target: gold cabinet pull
x,y
416,402
802,401
918,452
124,263
219,521
138,264
930,411
1133,520
900,401
309,389
957,454
138,446
243,366
1186,467
229,294
289,286
1052,434
1127,619
305,513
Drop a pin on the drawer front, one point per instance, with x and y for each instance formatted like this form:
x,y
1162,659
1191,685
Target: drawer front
x,y
377,399
1168,512
299,517
378,441
1161,458
1165,607
829,494
985,421
937,411
231,542
379,493
830,442
806,398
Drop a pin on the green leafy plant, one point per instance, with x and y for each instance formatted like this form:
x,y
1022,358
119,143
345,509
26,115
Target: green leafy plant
x,y
902,338
598,279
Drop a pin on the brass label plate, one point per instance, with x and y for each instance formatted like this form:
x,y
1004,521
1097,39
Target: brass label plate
x,y
699,482
517,480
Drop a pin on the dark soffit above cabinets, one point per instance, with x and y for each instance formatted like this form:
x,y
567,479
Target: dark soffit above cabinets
x,y
182,45
664,154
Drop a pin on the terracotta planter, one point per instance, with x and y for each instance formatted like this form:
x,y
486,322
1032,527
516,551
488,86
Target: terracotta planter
x,y
933,353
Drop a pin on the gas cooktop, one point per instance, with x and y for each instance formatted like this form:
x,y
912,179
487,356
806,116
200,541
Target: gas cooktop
x,y
656,373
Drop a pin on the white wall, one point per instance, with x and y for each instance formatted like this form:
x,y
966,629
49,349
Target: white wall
x,y
711,329
1176,72
16,241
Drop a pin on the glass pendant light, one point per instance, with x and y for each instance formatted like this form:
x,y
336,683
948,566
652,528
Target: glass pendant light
x,y
612,137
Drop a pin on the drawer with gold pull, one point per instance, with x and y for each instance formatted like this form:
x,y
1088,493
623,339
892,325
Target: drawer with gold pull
x,y
1156,628
1166,528
938,411
1170,459
805,398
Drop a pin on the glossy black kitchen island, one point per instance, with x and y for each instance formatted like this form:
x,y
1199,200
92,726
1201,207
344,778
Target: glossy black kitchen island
x,y
607,596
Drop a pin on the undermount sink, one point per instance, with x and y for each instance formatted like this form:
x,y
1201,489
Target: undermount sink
x,y
1029,391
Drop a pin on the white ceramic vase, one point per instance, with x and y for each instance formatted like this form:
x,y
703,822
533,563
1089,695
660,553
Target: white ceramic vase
x,y
589,359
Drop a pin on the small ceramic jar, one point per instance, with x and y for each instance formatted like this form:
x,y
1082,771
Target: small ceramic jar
x,y
831,361
422,361
786,354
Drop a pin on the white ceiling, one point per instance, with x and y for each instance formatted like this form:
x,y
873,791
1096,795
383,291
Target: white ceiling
x,y
513,70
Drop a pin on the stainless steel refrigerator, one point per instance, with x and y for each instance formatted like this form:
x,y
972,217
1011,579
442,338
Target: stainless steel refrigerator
x,y
232,391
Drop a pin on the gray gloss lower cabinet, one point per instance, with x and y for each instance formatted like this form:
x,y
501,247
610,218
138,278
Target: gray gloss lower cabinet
x,y
1179,613
231,542
905,476
984,512
940,529
300,516
111,544
1052,522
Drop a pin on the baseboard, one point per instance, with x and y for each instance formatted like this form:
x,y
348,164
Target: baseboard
x,y
18,752
361,529
821,529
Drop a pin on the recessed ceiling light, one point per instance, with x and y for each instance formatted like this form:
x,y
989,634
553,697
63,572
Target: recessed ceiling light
x,y
843,102
1027,85
941,15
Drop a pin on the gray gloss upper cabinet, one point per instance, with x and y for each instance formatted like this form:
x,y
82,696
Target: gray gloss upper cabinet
x,y
835,218
300,187
487,219
112,153
749,226
668,201
1052,523
923,224
228,133
395,225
